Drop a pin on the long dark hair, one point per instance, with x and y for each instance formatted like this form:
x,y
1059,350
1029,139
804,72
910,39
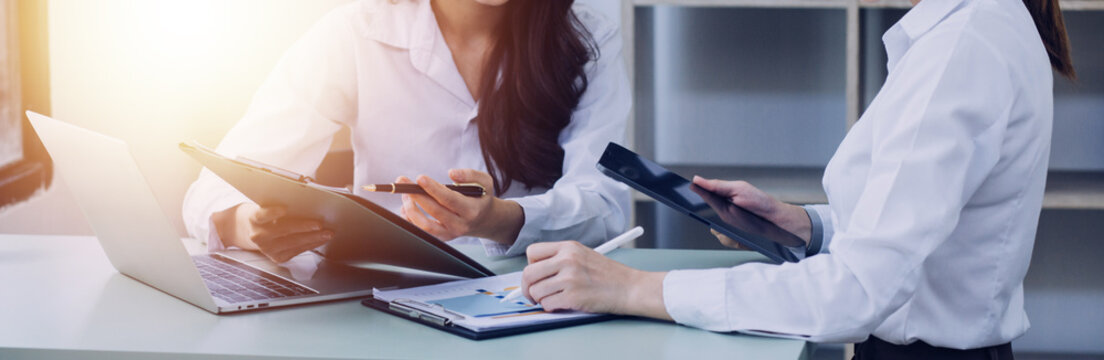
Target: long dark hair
x,y
1052,29
531,84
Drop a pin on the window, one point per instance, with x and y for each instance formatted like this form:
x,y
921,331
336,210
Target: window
x,y
24,85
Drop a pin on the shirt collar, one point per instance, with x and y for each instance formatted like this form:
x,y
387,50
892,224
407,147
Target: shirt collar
x,y
917,22
411,25
403,24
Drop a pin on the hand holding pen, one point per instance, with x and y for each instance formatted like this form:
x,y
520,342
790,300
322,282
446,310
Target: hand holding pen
x,y
603,249
447,213
473,190
567,275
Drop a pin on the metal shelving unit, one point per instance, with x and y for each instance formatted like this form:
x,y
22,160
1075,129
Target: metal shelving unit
x,y
1065,189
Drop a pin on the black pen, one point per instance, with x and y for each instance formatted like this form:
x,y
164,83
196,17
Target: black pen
x,y
473,190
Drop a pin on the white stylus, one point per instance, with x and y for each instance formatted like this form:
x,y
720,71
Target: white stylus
x,y
608,246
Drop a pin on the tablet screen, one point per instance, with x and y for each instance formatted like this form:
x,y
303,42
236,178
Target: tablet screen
x,y
715,211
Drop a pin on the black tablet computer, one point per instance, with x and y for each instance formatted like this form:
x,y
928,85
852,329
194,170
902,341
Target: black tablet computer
x,y
718,213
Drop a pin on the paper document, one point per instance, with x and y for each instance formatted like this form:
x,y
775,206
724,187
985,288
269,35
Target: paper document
x,y
474,303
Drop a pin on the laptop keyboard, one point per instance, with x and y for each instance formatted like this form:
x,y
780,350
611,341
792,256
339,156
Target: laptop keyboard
x,y
235,282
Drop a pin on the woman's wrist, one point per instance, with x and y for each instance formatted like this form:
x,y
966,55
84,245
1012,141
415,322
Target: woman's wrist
x,y
798,223
226,226
505,223
644,296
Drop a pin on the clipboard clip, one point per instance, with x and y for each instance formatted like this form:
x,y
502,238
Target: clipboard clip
x,y
196,146
432,313
274,169
305,179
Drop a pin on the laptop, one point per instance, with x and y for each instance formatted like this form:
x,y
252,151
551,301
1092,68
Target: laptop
x,y
141,243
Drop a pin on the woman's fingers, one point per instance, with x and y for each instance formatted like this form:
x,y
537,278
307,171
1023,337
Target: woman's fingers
x,y
281,238
283,227
453,201
574,277
727,188
720,187
471,176
288,247
577,278
741,193
448,219
449,214
707,184
419,219
542,250
287,226
460,214
540,267
539,273
541,291
559,300
267,214
727,241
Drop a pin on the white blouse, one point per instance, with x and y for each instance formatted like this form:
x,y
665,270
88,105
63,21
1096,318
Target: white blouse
x,y
383,69
934,197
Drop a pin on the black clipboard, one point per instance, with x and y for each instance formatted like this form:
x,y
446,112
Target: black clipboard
x,y
363,230
441,321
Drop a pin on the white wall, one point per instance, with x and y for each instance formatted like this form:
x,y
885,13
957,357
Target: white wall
x,y
158,72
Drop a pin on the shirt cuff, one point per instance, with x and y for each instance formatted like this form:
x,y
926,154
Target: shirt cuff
x,y
494,248
214,242
817,236
533,212
697,298
820,217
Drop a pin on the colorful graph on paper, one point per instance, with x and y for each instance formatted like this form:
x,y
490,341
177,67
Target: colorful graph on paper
x,y
487,303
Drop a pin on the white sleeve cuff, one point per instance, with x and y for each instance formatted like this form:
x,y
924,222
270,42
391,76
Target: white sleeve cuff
x,y
206,196
534,214
697,298
214,243
494,248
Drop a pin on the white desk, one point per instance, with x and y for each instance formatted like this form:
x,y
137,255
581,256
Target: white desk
x,y
62,299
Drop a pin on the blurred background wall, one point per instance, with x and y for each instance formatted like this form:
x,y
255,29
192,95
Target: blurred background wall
x,y
158,72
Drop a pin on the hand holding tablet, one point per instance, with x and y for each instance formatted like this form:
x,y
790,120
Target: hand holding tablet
x,y
720,214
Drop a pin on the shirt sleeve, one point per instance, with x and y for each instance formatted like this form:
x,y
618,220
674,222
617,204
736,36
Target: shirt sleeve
x,y
584,204
308,97
934,141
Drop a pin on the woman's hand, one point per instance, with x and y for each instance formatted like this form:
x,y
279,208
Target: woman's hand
x,y
268,230
567,275
727,241
789,217
451,214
